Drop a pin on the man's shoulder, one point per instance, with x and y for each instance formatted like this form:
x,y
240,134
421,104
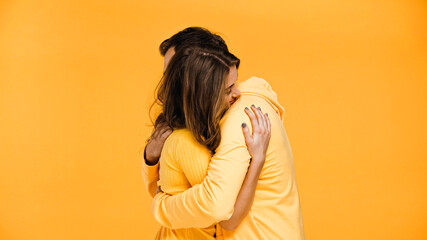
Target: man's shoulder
x,y
254,84
231,123
236,111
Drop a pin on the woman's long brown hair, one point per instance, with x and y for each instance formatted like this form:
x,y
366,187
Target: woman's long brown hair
x,y
192,92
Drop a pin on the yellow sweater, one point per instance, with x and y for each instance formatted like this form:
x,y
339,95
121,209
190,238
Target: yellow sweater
x,y
276,211
178,173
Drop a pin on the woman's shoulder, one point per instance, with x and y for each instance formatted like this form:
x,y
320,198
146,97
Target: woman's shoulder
x,y
181,134
181,131
183,138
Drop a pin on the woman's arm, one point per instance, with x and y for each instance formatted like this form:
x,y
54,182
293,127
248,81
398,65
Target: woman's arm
x,y
257,146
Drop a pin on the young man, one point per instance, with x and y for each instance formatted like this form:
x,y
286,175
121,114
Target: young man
x,y
276,211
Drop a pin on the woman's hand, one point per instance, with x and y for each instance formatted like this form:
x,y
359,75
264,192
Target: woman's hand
x,y
155,143
257,143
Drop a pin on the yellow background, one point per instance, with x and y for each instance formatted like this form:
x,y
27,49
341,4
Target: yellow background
x,y
77,77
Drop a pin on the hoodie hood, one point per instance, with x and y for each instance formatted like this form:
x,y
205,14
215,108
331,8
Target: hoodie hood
x,y
259,87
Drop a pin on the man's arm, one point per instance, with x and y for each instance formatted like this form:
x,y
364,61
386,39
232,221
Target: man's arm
x,y
152,151
212,200
150,173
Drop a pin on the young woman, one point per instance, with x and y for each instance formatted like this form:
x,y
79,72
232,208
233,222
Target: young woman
x,y
197,88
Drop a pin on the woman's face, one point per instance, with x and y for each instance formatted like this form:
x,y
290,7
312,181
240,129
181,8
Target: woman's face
x,y
232,93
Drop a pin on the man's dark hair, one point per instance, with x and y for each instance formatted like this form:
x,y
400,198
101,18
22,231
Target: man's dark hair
x,y
194,37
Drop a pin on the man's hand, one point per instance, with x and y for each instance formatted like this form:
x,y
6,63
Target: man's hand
x,y
158,190
155,143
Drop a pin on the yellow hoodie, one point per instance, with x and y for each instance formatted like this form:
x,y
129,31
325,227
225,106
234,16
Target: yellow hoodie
x,y
276,211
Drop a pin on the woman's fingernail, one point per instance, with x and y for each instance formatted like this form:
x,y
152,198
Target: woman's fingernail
x,y
266,114
253,106
259,108
246,108
244,125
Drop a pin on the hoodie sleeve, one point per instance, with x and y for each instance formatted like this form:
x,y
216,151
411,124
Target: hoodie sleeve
x,y
150,175
213,199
